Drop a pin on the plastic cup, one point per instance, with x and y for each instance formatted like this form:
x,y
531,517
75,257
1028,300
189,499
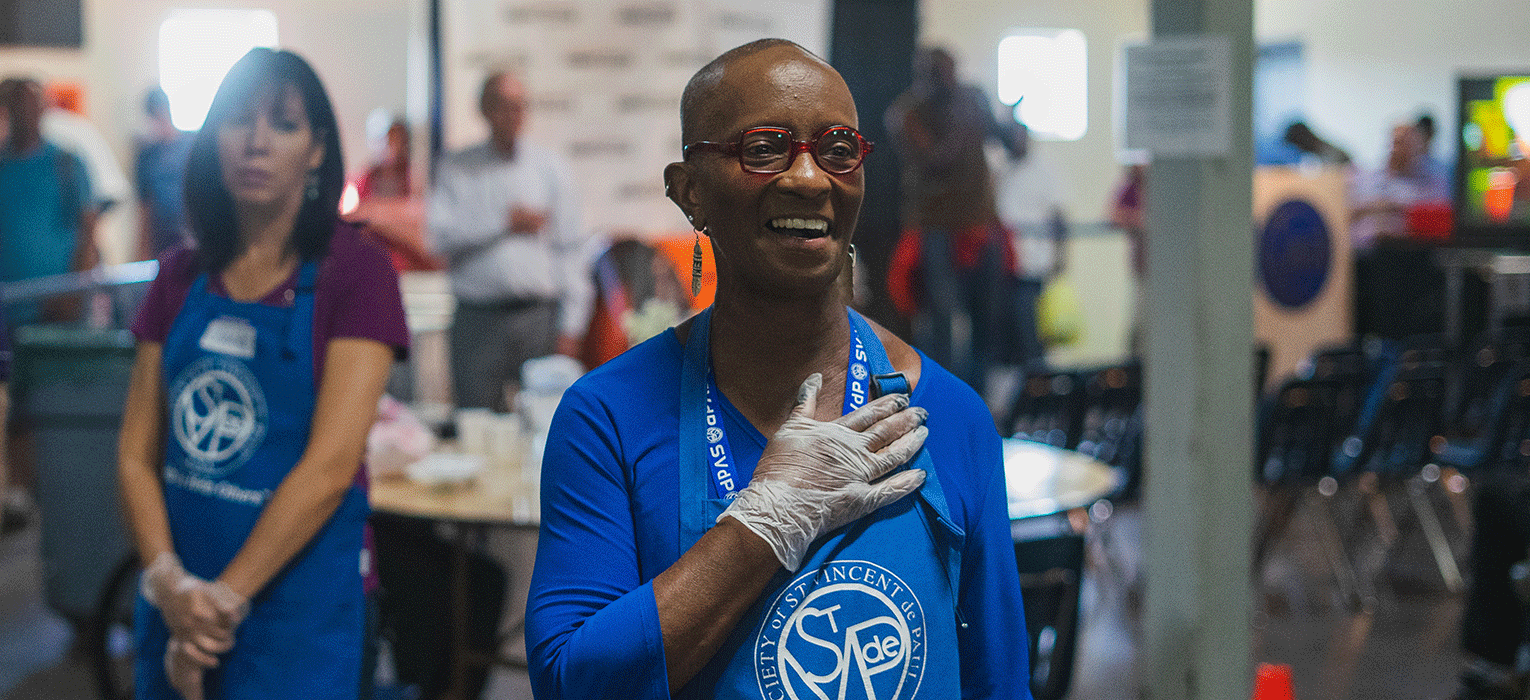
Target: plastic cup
x,y
1273,682
474,431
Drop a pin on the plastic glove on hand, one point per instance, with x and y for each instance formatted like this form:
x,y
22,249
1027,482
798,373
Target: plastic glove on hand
x,y
815,476
197,611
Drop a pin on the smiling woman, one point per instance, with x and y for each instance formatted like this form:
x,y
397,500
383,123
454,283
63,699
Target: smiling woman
x,y
240,454
750,545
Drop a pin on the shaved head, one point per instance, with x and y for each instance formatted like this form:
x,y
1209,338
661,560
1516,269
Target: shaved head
x,y
706,87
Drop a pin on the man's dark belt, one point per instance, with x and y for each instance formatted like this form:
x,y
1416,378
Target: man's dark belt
x,y
503,305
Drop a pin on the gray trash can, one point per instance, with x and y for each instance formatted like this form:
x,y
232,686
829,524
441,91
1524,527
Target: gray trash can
x,y
70,384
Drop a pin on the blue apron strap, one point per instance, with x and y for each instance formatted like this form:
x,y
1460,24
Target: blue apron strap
x,y
891,380
887,380
892,383
302,307
693,410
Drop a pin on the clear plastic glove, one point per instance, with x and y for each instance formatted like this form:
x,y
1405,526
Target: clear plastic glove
x,y
185,668
815,476
200,612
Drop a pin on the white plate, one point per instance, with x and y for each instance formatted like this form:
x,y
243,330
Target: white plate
x,y
444,469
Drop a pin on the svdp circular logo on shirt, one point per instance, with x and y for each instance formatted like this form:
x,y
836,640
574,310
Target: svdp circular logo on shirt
x,y
849,629
218,415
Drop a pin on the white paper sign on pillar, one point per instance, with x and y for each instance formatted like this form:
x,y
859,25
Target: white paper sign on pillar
x,y
1178,96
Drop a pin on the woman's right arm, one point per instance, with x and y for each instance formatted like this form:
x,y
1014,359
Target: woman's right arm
x,y
592,628
139,455
188,610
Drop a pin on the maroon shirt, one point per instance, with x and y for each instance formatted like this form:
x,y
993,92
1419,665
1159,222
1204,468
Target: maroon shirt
x,y
356,296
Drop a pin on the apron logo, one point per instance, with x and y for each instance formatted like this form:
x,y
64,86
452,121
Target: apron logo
x,y
858,371
218,416
849,629
714,435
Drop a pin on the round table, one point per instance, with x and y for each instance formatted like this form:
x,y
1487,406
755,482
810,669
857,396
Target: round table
x,y
1046,485
1045,480
489,499
498,497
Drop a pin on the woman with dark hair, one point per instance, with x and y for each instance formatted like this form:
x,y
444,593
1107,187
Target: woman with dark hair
x,y
262,352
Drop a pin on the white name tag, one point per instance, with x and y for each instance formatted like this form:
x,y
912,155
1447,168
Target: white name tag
x,y
229,335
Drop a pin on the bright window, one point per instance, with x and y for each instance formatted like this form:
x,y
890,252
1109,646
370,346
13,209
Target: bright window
x,y
1044,75
196,49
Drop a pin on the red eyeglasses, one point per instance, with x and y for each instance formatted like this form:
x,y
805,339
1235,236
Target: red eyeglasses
x,y
769,150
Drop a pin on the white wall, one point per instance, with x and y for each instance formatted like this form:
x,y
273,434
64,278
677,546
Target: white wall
x,y
1371,63
605,80
360,48
971,29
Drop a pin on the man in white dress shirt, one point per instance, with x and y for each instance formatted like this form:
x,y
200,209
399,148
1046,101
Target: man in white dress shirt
x,y
505,217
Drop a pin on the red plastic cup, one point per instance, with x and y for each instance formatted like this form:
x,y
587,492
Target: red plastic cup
x,y
1273,682
1430,221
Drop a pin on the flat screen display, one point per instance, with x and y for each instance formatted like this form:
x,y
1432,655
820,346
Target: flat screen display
x,y
1492,201
40,23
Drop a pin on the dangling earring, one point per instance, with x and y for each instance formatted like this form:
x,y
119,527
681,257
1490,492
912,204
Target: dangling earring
x,y
696,266
852,260
313,186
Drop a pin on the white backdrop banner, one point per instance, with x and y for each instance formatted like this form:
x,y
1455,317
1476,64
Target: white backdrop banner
x,y
605,80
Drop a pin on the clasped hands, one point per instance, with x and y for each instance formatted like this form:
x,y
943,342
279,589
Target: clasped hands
x,y
202,616
525,220
815,476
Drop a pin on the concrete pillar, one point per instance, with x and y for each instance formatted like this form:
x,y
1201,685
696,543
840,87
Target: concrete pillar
x,y
1198,509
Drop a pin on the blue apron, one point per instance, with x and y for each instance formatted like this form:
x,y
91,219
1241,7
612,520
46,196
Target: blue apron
x,y
871,615
240,396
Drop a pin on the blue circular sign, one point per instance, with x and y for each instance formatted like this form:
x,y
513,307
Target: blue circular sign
x,y
1295,254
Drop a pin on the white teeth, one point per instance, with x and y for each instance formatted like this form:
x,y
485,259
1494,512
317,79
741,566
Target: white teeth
x,y
809,224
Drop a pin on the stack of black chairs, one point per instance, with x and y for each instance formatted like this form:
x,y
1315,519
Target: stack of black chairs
x,y
1096,412
1111,429
1386,427
1300,428
1048,408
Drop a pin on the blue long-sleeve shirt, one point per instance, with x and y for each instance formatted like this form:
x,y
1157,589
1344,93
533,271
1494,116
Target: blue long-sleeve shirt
x,y
611,523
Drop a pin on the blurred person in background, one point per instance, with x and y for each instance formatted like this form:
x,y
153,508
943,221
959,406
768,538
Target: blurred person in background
x,y
389,176
47,210
392,210
965,261
65,125
1379,199
726,476
1437,168
505,216
160,169
1385,299
1030,204
1128,213
262,352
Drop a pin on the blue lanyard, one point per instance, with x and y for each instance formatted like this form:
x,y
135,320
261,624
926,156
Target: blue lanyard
x,y
719,457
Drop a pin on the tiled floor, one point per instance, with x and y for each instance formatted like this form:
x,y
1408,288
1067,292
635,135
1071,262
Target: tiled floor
x,y
1403,649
